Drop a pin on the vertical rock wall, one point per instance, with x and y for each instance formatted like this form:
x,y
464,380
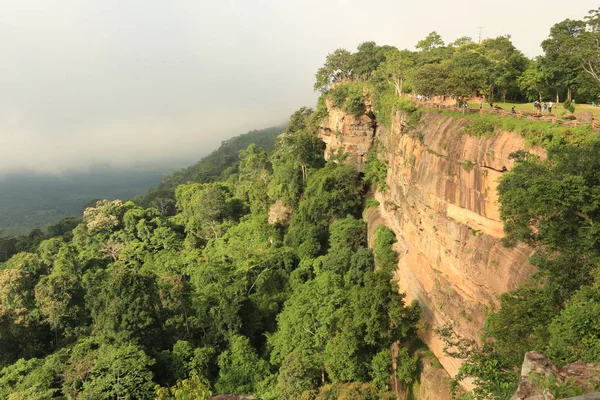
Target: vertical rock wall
x,y
442,205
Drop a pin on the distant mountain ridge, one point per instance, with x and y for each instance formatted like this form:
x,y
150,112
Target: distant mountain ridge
x,y
218,164
31,200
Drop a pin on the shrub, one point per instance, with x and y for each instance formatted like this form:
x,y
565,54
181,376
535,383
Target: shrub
x,y
468,165
355,104
482,127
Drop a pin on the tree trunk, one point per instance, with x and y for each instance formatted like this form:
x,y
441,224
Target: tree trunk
x,y
401,84
557,95
569,93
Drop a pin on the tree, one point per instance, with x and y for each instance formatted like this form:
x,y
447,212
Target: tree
x,y
395,69
253,178
111,371
533,82
574,334
59,298
124,305
366,60
467,76
294,155
432,41
504,65
240,369
337,68
589,52
206,209
193,387
431,79
309,319
560,60
297,375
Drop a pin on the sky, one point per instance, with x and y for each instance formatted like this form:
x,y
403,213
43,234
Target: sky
x,y
125,82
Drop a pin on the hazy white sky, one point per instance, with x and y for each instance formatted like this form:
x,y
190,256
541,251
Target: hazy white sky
x,y
85,81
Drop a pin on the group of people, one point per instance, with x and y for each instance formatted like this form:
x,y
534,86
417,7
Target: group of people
x,y
541,108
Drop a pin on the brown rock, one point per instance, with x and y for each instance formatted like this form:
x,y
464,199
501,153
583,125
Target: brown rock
x,y
442,205
537,365
434,382
586,117
349,135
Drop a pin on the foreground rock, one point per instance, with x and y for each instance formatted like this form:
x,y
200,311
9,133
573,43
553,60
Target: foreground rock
x,y
538,372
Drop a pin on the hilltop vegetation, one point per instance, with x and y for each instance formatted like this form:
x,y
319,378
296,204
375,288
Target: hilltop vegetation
x,y
218,165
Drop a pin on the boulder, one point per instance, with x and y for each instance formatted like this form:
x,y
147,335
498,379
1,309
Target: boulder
x,y
585,117
537,368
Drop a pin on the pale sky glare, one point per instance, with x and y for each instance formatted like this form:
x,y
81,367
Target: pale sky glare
x,y
123,81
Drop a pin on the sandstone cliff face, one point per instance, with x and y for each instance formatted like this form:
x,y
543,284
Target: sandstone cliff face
x,y
349,135
442,205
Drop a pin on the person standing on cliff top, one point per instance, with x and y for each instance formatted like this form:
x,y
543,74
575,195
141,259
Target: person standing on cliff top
x,y
550,107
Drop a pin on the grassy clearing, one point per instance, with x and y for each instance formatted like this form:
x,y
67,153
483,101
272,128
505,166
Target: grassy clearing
x,y
557,110
536,133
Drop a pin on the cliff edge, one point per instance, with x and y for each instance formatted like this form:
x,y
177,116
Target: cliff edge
x,y
441,202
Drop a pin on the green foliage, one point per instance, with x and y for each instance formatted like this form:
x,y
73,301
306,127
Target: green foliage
x,y
521,325
193,387
569,106
560,390
386,103
371,203
536,133
297,375
492,377
214,167
381,369
338,95
486,126
385,256
551,205
468,165
240,368
573,334
375,171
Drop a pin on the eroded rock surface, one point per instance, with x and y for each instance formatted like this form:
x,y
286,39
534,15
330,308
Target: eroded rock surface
x,y
347,134
442,206
537,369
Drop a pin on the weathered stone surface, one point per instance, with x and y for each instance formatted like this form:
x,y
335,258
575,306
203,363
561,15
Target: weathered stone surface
x,y
345,133
442,205
537,365
434,382
586,117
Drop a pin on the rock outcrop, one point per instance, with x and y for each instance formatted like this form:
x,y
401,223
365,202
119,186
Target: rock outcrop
x,y
347,134
538,371
442,206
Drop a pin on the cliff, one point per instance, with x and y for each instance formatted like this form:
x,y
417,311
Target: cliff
x,y
441,202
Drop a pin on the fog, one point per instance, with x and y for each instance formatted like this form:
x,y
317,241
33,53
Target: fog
x,y
129,81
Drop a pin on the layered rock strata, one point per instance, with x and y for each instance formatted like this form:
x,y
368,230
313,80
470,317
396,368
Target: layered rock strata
x,y
442,204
